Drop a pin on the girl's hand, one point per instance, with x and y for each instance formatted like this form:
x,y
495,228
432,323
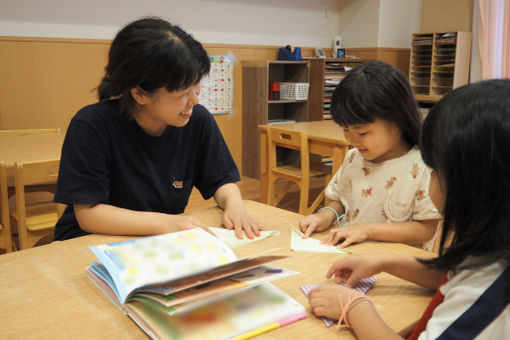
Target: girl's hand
x,y
353,268
349,234
325,300
314,223
235,217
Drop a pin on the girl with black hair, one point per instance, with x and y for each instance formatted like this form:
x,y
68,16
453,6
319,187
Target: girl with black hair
x,y
465,140
381,190
130,161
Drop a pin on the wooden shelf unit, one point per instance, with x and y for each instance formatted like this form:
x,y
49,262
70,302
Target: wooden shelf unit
x,y
325,74
258,109
439,63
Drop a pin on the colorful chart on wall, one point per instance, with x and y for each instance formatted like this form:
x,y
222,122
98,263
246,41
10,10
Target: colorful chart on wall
x,y
217,88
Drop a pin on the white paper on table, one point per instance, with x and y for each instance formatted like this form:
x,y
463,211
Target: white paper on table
x,y
297,243
229,236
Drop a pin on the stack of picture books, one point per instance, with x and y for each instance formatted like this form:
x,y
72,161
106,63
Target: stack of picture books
x,y
190,285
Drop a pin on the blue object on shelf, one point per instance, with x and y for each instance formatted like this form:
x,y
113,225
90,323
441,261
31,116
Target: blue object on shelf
x,y
286,53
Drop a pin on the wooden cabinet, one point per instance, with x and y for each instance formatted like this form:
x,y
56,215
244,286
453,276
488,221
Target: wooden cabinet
x,y
439,63
259,109
325,74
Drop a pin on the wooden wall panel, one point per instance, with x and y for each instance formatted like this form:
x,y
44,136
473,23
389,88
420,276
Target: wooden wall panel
x,y
445,16
398,57
46,80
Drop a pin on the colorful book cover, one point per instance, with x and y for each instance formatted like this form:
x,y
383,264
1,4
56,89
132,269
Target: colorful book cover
x,y
242,315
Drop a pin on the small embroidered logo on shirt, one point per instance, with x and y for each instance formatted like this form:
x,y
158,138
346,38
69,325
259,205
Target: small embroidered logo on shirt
x,y
177,184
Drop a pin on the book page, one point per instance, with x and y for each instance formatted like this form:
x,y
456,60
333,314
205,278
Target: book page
x,y
148,260
216,273
220,286
297,243
229,236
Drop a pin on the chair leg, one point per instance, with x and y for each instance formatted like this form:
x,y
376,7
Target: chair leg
x,y
270,192
303,199
284,192
316,203
327,180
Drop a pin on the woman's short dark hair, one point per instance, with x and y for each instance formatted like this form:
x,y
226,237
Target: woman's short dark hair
x,y
376,90
151,53
466,139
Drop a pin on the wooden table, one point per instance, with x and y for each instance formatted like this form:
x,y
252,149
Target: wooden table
x,y
325,138
29,148
47,294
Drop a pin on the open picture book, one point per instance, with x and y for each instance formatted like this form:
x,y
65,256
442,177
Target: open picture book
x,y
166,283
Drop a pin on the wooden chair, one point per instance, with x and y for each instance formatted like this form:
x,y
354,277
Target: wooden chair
x,y
24,132
297,173
35,220
5,224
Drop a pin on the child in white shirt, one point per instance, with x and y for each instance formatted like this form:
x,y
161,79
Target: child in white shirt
x,y
465,140
381,190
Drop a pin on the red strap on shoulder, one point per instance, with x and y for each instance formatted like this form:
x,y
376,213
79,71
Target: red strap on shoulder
x,y
437,299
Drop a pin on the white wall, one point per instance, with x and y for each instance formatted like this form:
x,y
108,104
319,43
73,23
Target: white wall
x,y
359,23
381,23
399,19
261,22
476,67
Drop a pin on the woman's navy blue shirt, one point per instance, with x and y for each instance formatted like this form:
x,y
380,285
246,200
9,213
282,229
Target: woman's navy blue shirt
x,y
107,158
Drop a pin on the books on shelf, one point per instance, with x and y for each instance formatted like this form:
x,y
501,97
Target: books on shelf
x,y
167,282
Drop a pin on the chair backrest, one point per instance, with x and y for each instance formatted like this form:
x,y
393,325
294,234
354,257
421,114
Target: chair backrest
x,y
5,223
24,132
34,173
295,140
37,172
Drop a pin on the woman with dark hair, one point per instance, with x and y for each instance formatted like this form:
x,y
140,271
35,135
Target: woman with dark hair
x,y
381,190
465,140
130,161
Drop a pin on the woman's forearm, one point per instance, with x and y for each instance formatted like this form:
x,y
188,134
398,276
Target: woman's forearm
x,y
108,219
227,194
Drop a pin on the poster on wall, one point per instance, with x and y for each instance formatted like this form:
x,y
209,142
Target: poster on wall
x,y
217,88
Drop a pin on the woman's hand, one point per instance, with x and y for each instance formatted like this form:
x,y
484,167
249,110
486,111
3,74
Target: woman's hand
x,y
349,234
235,217
325,300
353,268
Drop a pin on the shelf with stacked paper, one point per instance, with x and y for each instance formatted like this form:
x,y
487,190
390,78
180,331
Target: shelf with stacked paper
x,y
325,75
439,63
